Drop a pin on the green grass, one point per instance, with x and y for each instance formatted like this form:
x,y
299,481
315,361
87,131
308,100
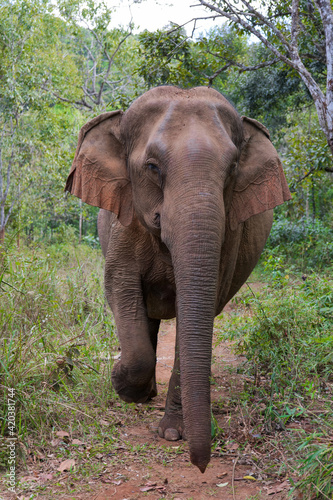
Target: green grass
x,y
57,338
284,330
56,343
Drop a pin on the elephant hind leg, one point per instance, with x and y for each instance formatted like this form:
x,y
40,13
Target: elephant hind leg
x,y
171,426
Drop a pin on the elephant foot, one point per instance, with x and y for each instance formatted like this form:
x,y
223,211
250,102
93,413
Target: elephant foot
x,y
171,427
130,387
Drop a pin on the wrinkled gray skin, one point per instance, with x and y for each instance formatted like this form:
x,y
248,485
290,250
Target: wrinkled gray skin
x,y
202,186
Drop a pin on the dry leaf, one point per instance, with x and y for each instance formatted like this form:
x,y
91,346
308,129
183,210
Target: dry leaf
x,y
62,434
277,488
148,488
232,446
106,480
104,422
66,465
151,487
46,477
222,485
77,441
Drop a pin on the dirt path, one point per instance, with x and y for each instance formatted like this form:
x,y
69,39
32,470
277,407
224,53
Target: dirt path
x,y
166,472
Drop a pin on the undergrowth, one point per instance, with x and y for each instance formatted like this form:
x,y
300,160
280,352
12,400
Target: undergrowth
x,y
305,244
56,342
284,330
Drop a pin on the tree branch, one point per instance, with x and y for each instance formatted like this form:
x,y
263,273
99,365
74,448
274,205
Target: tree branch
x,y
243,67
17,197
212,77
238,20
111,60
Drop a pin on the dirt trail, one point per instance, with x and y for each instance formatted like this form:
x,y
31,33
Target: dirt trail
x,y
173,476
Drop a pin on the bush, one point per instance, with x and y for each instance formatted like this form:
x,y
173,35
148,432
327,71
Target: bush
x,y
288,335
57,336
307,243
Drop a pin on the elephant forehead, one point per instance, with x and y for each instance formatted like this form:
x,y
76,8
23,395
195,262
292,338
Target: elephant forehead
x,y
173,117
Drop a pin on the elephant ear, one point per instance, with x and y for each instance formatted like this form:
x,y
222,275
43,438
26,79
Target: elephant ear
x,y
98,175
261,184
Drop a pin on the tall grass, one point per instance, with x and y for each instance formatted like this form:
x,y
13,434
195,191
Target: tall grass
x,y
285,333
56,337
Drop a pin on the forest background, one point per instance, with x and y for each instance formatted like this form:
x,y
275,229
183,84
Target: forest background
x,y
60,65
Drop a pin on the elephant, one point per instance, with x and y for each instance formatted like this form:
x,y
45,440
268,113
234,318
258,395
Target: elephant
x,y
186,189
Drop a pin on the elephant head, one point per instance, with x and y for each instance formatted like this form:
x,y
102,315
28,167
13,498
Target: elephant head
x,y
192,171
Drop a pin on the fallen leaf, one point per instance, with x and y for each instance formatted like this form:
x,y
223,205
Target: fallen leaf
x,y
77,441
222,485
45,477
117,483
152,487
250,477
106,480
62,434
104,422
66,465
232,446
277,488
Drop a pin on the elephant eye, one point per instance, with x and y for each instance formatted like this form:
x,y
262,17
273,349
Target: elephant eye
x,y
155,173
153,168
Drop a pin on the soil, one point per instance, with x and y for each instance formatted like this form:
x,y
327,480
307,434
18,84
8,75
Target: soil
x,y
227,477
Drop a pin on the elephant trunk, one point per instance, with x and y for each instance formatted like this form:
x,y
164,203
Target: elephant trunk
x,y
195,249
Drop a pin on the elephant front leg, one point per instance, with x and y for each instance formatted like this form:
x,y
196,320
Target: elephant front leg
x,y
133,377
171,426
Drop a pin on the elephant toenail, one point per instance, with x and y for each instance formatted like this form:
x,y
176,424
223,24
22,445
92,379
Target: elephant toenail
x,y
171,435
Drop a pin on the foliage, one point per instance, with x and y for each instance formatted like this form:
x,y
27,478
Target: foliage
x,y
31,48
166,58
40,121
269,94
304,244
170,57
273,339
106,58
56,336
307,162
316,466
296,34
284,331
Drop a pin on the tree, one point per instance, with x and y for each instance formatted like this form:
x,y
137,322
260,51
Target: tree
x,y
30,49
104,57
298,33
170,57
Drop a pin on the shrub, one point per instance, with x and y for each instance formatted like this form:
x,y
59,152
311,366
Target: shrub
x,y
307,243
57,336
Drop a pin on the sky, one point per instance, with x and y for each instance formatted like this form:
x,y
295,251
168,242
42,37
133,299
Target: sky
x,y
155,14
